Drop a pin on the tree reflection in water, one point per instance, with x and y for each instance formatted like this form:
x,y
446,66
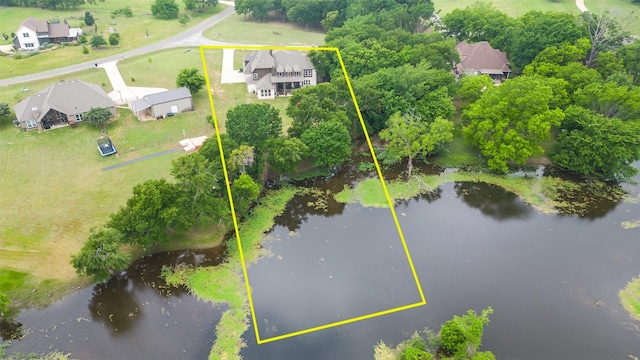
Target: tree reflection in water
x,y
113,304
492,200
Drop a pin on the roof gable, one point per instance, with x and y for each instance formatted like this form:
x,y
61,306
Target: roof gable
x,y
36,25
58,30
481,56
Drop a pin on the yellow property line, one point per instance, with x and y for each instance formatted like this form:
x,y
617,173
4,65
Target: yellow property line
x,y
233,212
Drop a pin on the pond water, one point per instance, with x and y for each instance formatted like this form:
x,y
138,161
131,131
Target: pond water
x,y
552,281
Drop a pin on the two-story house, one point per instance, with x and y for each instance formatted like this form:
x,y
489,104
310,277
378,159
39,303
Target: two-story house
x,y
33,33
269,73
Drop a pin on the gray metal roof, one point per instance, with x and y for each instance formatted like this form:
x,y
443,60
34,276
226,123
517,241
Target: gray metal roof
x,y
167,96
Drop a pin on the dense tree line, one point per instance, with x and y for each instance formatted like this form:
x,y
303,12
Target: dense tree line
x,y
411,15
48,4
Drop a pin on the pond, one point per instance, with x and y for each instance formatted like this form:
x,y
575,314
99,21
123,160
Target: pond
x,y
552,281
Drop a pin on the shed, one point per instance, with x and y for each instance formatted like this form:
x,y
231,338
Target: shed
x,y
160,104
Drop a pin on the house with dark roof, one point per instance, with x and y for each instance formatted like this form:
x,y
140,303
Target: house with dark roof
x,y
34,33
269,73
61,104
480,58
160,104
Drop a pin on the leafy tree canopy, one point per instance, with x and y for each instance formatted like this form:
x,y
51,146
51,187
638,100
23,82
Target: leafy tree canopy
x,y
245,191
252,124
541,30
408,135
191,79
329,143
165,9
101,257
4,109
97,41
509,121
99,117
482,22
592,145
88,19
312,105
470,88
630,54
151,214
285,154
610,100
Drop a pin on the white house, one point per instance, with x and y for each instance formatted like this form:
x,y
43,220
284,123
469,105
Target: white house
x,y
33,33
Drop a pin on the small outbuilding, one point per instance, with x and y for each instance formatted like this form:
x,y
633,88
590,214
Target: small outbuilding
x,y
158,105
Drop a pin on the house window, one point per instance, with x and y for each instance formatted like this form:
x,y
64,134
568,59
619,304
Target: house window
x,y
25,35
288,74
78,117
28,45
306,82
265,93
31,123
280,74
255,76
308,73
297,73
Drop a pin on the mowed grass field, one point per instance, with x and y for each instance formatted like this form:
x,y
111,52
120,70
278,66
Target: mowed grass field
x,y
132,31
235,29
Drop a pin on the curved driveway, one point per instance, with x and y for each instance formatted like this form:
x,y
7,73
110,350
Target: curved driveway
x,y
190,37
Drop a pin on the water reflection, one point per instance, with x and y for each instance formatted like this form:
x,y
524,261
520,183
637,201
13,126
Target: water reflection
x,y
492,200
113,304
297,211
585,198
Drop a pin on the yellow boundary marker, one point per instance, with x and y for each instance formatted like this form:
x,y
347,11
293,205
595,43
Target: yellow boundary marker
x,y
233,212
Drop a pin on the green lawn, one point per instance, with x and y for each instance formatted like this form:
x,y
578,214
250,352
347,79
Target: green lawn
x,y
235,29
628,13
513,8
132,30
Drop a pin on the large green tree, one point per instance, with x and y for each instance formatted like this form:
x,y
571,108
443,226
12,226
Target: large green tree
x,y
285,154
97,41
191,79
252,124
408,135
470,88
605,34
509,122
245,191
201,184
312,105
592,145
99,117
482,22
630,54
101,256
151,214
165,9
610,99
329,143
541,30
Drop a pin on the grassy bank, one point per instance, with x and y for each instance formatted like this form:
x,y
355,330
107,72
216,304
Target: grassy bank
x,y
546,194
133,32
224,283
630,297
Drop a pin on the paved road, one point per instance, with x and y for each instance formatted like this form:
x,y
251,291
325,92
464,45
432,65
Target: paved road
x,y
190,37
580,5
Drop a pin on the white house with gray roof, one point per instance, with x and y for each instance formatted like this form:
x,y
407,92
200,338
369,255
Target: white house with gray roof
x,y
33,33
61,104
158,105
269,73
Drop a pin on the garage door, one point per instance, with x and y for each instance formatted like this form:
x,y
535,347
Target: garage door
x,y
174,108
